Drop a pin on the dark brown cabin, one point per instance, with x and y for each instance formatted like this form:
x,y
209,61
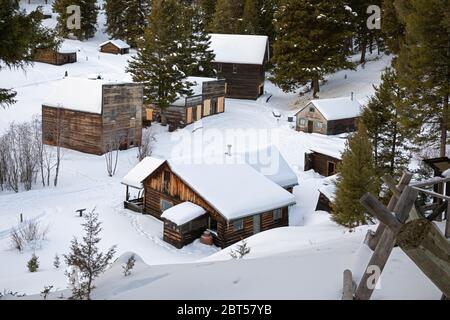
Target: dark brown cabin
x,y
115,47
171,184
323,162
208,99
241,61
56,57
329,116
327,194
93,116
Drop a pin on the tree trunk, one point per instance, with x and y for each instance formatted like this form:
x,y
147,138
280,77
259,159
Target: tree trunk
x,y
444,125
316,87
363,45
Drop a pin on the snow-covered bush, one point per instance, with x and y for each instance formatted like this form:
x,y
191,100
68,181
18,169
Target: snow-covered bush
x,y
146,147
46,292
56,262
33,263
129,266
27,234
242,250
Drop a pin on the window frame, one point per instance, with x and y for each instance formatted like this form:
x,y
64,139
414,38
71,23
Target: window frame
x,y
277,214
238,225
235,68
161,201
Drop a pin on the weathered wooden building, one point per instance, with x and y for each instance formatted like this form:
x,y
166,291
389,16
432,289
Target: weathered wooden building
x,y
241,61
231,200
322,161
327,193
59,56
208,99
115,47
93,116
329,116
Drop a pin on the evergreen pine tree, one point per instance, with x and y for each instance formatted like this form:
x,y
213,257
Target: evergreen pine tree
x,y
127,20
86,256
208,8
423,66
89,13
227,18
382,121
199,56
158,64
33,263
250,18
357,176
311,42
20,35
392,27
266,18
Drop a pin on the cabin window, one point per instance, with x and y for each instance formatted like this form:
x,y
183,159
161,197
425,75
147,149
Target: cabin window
x,y
113,115
235,68
303,122
166,181
277,214
238,225
219,67
133,112
312,109
164,205
318,125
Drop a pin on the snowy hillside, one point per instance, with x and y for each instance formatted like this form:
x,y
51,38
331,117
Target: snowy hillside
x,y
309,256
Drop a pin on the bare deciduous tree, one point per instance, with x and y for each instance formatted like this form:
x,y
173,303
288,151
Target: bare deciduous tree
x,y
112,145
146,147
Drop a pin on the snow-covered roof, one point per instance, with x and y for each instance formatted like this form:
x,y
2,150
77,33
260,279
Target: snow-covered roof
x,y
138,174
237,48
183,213
328,189
270,162
337,108
197,89
335,152
76,94
118,43
235,190
64,48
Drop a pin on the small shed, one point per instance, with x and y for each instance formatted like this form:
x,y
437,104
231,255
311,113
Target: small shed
x,y
327,193
56,56
322,161
329,116
207,99
241,61
115,46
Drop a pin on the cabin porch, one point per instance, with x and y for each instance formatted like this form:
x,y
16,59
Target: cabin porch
x,y
135,203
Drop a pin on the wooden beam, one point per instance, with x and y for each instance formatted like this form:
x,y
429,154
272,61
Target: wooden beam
x,y
379,211
432,193
387,240
390,182
438,211
373,238
430,182
426,246
348,286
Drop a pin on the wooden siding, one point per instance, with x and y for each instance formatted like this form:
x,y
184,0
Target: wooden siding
x,y
79,131
89,132
179,236
51,56
324,204
319,163
335,127
245,83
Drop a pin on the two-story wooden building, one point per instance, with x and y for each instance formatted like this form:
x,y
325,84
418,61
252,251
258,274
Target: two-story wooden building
x,y
329,116
93,116
207,99
241,61
232,200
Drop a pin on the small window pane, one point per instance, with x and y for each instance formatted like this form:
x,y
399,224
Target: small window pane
x,y
238,225
277,214
312,109
303,122
235,68
166,205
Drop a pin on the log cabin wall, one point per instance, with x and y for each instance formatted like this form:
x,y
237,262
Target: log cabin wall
x,y
227,235
51,56
244,81
320,163
111,48
79,131
335,127
179,236
122,114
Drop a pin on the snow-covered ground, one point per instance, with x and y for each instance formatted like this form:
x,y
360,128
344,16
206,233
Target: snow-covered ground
x,y
306,259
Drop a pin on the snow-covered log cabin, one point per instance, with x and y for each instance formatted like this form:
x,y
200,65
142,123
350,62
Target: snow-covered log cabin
x,y
58,57
93,116
327,194
329,116
241,61
322,161
233,199
115,46
207,99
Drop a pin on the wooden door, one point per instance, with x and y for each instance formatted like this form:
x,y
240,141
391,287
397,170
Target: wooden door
x,y
256,224
310,126
331,169
189,115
